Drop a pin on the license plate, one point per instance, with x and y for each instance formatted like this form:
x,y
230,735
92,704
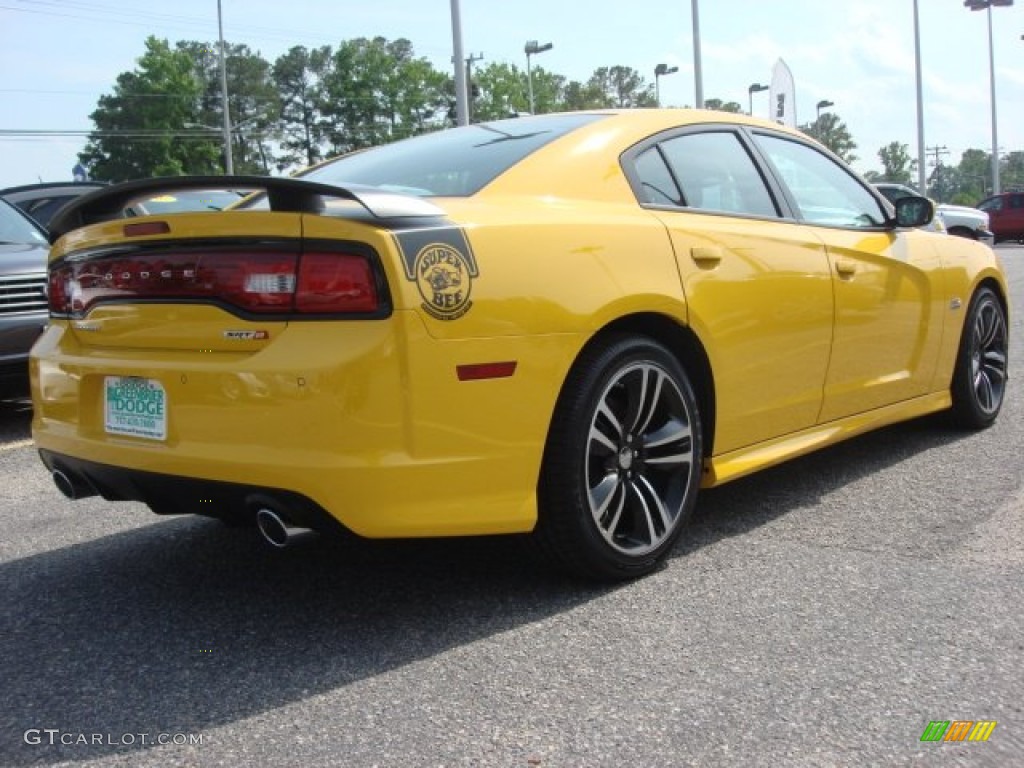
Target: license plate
x,y
135,406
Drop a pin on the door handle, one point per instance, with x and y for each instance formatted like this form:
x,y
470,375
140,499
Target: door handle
x,y
846,267
706,255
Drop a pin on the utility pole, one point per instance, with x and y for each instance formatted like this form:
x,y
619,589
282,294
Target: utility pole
x,y
937,188
937,152
470,60
229,163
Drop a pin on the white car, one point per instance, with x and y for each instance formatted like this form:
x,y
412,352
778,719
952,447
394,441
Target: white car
x,y
955,219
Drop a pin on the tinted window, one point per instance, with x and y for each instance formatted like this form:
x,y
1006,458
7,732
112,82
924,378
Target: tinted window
x,y
42,210
456,162
656,180
992,204
716,174
1017,201
824,191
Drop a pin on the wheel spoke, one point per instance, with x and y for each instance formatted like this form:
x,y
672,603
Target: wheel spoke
x,y
608,529
644,391
987,327
670,445
985,390
602,494
643,489
642,510
599,437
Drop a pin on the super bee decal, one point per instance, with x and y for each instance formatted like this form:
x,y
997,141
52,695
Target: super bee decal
x,y
441,263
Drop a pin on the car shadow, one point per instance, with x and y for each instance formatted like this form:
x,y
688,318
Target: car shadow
x,y
750,502
182,625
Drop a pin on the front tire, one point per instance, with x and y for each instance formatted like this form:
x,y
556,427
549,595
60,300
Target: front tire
x,y
979,380
623,461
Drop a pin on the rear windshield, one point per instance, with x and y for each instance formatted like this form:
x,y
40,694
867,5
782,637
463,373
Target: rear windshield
x,y
452,163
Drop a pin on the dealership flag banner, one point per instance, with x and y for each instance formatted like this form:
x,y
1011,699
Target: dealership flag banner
x,y
783,95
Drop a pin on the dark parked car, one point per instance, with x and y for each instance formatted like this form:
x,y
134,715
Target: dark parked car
x,y
41,201
1006,215
23,305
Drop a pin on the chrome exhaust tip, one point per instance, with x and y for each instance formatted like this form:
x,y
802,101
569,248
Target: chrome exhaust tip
x,y
72,487
276,531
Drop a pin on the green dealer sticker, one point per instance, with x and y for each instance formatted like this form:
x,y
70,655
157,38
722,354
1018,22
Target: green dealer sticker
x,y
136,407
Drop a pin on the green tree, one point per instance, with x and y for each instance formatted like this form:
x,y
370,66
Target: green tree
x,y
377,91
548,91
723,106
141,127
974,174
1011,170
502,91
255,108
253,99
621,87
298,75
589,95
897,165
942,183
831,131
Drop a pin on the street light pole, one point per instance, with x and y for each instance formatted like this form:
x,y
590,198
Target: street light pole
x,y
698,75
823,104
229,164
986,5
659,71
461,93
754,88
529,49
921,102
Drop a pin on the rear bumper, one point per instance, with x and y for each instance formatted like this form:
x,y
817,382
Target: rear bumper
x,y
174,495
367,422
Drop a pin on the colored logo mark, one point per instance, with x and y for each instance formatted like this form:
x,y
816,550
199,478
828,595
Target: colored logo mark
x,y
958,730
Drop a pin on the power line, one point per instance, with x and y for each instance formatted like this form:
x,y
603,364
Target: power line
x,y
937,152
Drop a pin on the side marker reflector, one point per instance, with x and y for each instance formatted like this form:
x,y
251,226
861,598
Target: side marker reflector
x,y
477,371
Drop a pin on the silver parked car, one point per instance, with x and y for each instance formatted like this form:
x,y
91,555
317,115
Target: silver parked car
x,y
23,304
955,219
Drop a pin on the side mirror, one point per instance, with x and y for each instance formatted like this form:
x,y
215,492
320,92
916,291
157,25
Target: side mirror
x,y
914,211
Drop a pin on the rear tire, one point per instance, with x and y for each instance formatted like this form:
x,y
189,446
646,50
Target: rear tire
x,y
979,380
623,461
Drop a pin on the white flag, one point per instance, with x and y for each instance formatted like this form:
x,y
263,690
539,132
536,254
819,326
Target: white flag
x,y
783,95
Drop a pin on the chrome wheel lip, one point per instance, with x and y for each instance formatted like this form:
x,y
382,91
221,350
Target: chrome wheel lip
x,y
989,345
639,456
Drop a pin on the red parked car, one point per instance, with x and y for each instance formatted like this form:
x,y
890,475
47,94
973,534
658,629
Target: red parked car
x,y
1005,215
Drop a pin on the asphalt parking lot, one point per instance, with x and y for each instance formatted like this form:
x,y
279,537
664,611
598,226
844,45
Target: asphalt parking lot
x,y
821,613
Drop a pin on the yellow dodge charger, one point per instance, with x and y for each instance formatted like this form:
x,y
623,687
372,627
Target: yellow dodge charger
x,y
563,324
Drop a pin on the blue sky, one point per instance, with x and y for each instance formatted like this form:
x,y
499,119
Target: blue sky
x,y
58,56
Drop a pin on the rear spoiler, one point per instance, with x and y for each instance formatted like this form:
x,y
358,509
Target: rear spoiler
x,y
283,193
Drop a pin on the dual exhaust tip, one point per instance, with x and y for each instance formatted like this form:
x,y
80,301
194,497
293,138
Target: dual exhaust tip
x,y
274,526
277,531
71,486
